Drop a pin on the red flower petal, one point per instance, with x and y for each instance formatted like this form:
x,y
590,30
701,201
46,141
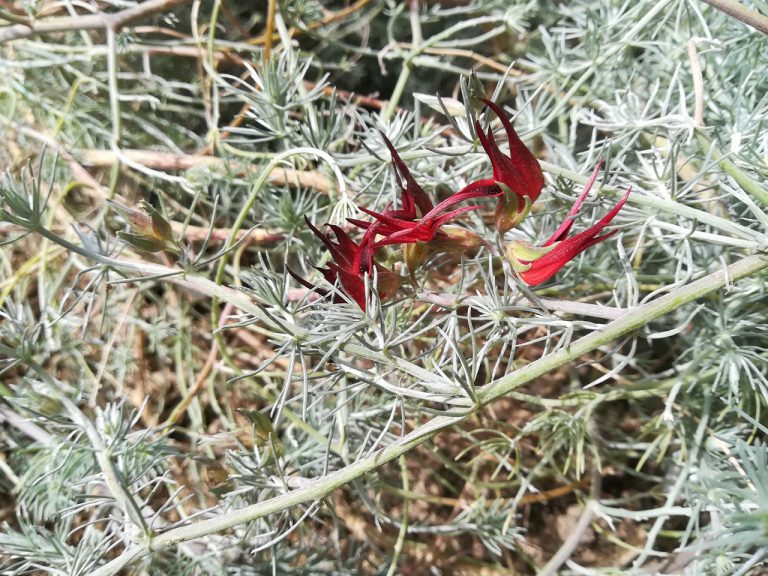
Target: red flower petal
x,y
565,227
544,268
520,171
412,193
422,231
479,189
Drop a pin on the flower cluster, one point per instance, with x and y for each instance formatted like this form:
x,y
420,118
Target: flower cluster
x,y
421,227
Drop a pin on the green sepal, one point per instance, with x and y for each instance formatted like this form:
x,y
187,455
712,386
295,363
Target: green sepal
x,y
521,254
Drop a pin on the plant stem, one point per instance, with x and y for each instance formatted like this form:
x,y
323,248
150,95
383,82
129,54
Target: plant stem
x,y
743,179
403,532
246,209
102,453
669,206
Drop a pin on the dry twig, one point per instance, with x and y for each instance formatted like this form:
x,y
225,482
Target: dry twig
x,y
100,21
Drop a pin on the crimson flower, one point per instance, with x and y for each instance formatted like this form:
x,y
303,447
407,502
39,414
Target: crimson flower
x,y
418,225
517,179
411,194
400,231
539,264
351,263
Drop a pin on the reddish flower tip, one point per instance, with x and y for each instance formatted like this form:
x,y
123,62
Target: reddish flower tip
x,y
565,227
413,195
418,221
351,263
520,171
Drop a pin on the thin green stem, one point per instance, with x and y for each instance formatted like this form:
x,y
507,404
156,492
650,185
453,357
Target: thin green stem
x,y
405,71
114,94
670,206
103,455
403,532
240,300
243,215
749,184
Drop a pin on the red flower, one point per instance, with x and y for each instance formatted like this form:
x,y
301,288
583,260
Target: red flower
x,y
520,171
401,231
517,179
418,225
392,221
351,263
536,265
411,194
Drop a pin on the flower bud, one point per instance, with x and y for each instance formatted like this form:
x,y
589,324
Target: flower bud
x,y
456,239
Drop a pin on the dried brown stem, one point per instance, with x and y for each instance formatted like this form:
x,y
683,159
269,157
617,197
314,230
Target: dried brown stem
x,y
170,162
200,233
269,34
100,21
741,13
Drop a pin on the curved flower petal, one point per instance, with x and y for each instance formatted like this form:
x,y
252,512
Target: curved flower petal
x,y
520,171
561,249
413,195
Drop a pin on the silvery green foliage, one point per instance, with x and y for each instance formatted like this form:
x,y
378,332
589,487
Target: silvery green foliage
x,y
93,364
